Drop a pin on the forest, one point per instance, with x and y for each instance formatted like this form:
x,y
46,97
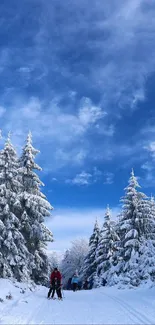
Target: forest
x,y
120,252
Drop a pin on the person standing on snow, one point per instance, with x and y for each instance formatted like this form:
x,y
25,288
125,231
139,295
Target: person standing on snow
x,y
91,284
55,280
69,286
86,284
74,282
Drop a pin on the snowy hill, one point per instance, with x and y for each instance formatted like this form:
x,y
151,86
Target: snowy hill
x,y
98,306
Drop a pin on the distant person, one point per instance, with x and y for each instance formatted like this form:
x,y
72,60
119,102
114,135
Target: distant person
x,y
104,282
55,281
91,284
69,285
79,284
86,285
74,282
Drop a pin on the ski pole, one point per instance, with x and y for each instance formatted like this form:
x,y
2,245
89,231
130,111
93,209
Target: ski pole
x,y
63,293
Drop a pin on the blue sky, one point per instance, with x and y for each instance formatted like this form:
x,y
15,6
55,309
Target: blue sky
x,y
81,78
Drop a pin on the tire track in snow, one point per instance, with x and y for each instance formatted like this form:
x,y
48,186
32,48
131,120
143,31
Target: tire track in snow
x,y
38,316
39,310
128,314
142,318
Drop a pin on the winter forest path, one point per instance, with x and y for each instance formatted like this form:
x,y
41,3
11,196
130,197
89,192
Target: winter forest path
x,y
98,306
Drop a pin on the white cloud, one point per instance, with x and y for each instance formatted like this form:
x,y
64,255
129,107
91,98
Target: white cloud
x,y
64,133
111,64
109,178
148,179
89,114
107,130
74,156
25,70
2,111
138,96
147,166
151,148
81,179
120,48
148,130
128,47
97,174
52,119
70,223
32,110
147,135
85,178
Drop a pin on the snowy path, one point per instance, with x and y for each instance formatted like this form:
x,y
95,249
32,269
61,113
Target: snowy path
x,y
100,306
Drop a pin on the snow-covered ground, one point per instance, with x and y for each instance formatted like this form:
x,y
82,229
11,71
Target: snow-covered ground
x,y
98,306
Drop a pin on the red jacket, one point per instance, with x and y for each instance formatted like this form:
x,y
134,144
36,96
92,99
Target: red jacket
x,y
55,274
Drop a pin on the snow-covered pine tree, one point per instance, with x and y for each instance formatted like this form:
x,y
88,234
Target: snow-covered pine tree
x,y
15,260
35,208
152,205
147,261
152,212
106,247
131,220
150,219
130,233
90,265
146,211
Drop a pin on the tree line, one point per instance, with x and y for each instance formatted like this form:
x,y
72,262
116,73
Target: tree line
x,y
23,208
122,252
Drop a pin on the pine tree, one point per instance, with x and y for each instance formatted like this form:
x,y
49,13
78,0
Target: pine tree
x,y
146,261
147,249
35,208
90,265
131,232
152,204
131,223
150,219
106,246
15,260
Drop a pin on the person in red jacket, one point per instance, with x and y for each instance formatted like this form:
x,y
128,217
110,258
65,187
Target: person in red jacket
x,y
55,281
55,274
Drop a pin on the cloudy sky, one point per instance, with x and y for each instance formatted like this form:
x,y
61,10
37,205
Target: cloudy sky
x,y
81,77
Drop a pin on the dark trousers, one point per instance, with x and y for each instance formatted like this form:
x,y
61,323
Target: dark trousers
x,y
74,286
53,289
